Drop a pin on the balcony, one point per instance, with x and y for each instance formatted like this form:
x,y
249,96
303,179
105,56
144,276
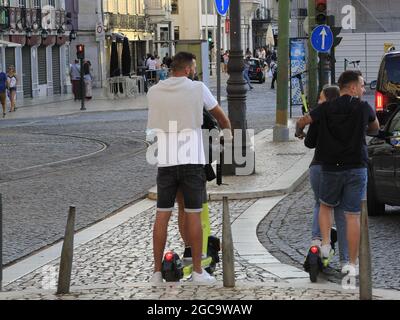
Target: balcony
x,y
249,6
124,21
158,11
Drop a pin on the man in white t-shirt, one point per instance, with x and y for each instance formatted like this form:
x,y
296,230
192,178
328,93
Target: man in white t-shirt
x,y
176,115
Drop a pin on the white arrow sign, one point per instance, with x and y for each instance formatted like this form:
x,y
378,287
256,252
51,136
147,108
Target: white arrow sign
x,y
323,34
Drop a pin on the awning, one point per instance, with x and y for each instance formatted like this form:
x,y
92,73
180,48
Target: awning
x,y
9,44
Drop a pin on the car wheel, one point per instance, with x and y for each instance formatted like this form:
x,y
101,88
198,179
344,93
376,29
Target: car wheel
x,y
375,208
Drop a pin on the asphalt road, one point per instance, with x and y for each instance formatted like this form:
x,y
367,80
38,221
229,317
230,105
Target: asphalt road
x,y
286,233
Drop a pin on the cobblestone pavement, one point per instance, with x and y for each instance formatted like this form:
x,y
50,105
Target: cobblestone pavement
x,y
242,291
97,186
286,233
124,254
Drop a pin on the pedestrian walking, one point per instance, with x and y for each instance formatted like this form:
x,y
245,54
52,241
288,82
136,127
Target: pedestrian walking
x,y
88,78
341,148
172,112
246,70
3,91
75,74
12,87
226,61
274,72
328,94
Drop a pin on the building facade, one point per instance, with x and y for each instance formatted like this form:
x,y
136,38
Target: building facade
x,y
40,28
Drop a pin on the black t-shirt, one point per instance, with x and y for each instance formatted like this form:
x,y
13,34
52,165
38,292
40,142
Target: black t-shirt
x,y
343,124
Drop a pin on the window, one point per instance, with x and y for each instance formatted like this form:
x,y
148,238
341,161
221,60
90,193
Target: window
x,y
176,33
174,7
395,125
4,3
393,69
36,4
52,3
22,3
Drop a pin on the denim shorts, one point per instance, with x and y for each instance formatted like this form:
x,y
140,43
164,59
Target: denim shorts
x,y
190,179
345,188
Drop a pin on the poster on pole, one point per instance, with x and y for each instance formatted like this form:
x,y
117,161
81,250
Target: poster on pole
x,y
298,67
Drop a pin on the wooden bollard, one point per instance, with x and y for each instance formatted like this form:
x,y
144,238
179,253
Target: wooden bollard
x,y
365,256
64,277
228,259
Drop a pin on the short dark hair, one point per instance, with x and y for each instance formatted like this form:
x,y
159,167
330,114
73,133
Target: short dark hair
x,y
331,92
182,60
348,77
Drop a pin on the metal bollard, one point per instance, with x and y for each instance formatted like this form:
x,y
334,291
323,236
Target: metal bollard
x,y
64,277
365,256
228,260
1,242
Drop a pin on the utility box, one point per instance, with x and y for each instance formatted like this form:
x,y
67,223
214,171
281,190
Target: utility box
x,y
200,49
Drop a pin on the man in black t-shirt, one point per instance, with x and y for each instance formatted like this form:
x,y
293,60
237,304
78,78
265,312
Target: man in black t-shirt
x,y
341,148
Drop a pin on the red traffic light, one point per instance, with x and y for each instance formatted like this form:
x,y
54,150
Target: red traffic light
x,y
80,48
80,51
321,5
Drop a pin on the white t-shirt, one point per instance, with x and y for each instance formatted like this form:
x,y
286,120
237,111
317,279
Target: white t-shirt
x,y
187,146
152,64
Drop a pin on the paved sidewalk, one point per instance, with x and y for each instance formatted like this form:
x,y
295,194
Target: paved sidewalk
x,y
113,259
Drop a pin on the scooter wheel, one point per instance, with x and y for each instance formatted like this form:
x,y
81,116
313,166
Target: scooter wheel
x,y
211,269
314,271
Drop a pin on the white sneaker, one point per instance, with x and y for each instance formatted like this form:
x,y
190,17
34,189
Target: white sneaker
x,y
156,278
203,277
350,269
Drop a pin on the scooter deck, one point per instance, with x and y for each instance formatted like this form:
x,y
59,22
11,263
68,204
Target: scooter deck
x,y
188,269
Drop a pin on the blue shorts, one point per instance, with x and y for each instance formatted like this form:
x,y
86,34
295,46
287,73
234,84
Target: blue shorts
x,y
346,188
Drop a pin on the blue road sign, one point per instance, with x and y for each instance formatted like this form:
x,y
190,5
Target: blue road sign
x,y
322,38
222,6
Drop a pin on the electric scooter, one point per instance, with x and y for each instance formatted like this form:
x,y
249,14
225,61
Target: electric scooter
x,y
314,264
174,268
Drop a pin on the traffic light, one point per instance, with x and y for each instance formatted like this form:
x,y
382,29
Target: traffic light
x,y
321,11
335,30
80,51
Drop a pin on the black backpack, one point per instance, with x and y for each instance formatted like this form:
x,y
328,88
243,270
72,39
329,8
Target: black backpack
x,y
209,123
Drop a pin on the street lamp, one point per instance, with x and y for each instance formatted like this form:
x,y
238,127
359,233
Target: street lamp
x,y
44,34
236,89
72,35
28,32
60,32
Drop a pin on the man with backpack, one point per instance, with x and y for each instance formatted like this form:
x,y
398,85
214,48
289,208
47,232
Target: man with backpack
x,y
175,109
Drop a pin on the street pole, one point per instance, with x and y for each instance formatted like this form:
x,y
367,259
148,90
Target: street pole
x,y
1,242
219,58
281,130
82,83
312,59
236,89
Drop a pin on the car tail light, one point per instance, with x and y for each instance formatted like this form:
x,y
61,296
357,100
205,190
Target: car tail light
x,y
379,101
258,70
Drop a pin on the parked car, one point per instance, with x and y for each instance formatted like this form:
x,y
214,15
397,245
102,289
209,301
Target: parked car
x,y
384,167
388,86
256,71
